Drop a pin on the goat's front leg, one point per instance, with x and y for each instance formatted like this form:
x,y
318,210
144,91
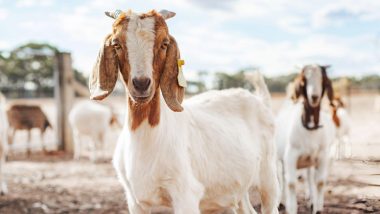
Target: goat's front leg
x,y
186,196
28,151
312,188
321,173
290,166
42,139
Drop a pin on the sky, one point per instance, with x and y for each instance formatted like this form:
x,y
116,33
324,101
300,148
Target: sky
x,y
215,35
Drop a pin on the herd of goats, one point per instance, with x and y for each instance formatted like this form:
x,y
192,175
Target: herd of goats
x,y
202,154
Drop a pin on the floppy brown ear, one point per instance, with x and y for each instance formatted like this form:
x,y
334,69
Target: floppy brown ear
x,y
299,84
173,93
104,74
327,85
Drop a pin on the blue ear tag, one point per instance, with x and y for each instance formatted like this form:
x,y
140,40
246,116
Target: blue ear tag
x,y
181,77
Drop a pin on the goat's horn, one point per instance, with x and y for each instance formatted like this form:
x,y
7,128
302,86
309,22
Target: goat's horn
x,y
113,15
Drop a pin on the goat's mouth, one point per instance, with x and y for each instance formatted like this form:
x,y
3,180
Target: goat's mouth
x,y
141,98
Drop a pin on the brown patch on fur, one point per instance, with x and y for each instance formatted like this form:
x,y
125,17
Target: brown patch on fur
x,y
320,185
138,112
305,162
292,186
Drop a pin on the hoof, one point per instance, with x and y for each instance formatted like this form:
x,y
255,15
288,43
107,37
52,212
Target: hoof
x,y
281,207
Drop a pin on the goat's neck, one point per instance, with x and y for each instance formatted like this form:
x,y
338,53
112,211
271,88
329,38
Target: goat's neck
x,y
154,114
138,113
310,113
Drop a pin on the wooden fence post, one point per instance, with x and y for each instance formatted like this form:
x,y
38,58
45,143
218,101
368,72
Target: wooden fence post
x,y
64,95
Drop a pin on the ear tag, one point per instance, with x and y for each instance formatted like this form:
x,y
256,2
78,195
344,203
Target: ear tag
x,y
181,77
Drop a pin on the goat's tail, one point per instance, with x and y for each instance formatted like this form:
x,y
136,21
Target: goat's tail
x,y
257,80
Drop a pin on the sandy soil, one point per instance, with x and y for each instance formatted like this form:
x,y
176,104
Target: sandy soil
x,y
53,183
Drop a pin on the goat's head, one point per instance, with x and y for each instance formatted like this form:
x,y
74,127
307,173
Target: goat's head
x,y
141,47
311,83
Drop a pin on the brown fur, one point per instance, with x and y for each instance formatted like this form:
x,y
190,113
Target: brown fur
x,y
164,65
26,117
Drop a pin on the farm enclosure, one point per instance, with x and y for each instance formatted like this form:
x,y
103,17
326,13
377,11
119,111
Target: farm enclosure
x,y
56,184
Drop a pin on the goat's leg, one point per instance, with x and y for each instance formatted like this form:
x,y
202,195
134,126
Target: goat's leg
x,y
312,188
290,166
42,139
320,177
186,196
3,186
93,146
245,206
269,185
28,151
77,144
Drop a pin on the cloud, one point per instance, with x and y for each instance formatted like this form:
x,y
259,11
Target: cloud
x,y
33,3
214,4
3,14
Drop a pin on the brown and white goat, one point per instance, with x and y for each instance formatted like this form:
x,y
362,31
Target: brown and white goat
x,y
201,155
304,135
27,117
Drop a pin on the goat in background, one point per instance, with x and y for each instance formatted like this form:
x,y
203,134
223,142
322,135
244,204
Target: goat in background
x,y
27,117
304,135
91,119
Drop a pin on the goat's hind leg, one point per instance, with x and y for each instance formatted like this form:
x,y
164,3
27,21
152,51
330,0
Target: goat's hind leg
x,y
245,206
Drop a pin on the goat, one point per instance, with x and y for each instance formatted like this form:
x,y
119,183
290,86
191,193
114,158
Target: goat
x,y
27,117
100,117
303,137
342,122
199,156
3,143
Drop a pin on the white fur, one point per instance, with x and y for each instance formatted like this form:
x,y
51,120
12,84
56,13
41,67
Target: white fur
x,y
89,119
313,75
140,43
3,143
343,134
204,158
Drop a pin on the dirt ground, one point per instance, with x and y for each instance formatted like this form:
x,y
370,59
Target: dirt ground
x,y
53,183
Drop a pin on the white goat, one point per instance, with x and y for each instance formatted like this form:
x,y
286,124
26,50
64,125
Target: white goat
x,y
90,119
343,127
3,143
200,157
304,135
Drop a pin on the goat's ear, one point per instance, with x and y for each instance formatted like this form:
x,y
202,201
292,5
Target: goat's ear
x,y
299,84
327,85
173,93
104,74
166,14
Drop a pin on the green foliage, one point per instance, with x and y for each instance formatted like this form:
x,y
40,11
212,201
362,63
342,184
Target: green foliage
x,y
31,64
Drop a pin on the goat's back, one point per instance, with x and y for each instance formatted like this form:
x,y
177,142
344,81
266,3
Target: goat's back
x,y
90,117
27,117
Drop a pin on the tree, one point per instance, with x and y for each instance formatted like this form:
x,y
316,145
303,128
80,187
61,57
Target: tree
x,y
30,68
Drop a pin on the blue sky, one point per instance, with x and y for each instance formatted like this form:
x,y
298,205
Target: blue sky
x,y
215,35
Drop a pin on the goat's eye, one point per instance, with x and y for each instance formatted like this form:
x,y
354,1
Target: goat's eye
x,y
165,45
116,44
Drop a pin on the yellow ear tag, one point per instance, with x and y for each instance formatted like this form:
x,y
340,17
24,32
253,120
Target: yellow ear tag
x,y
181,77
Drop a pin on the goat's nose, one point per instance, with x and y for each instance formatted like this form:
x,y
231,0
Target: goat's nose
x,y
314,98
141,84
